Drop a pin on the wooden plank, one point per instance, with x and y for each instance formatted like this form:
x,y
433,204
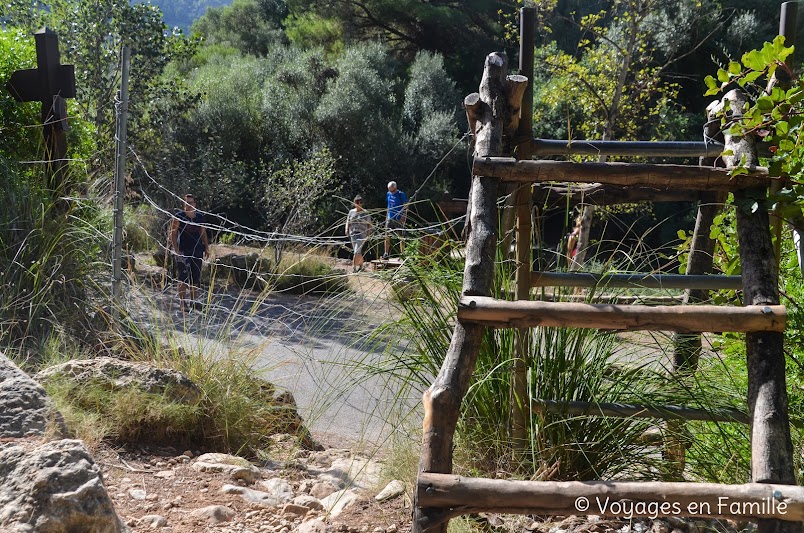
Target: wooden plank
x,y
624,174
611,498
690,318
627,148
600,194
622,410
646,281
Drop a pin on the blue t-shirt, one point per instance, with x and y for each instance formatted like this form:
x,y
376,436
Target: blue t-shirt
x,y
396,202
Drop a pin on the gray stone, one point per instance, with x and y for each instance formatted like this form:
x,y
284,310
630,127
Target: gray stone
x,y
336,502
279,488
232,465
252,496
312,526
137,494
308,501
392,490
25,409
153,521
214,513
322,489
114,374
54,487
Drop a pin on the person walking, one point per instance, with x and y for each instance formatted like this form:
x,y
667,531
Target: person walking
x,y
190,243
397,215
358,228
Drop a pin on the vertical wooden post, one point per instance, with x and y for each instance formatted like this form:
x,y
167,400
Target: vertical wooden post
x,y
524,240
50,83
687,347
771,445
442,400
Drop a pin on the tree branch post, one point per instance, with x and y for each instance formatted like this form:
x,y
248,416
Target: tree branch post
x,y
771,445
443,399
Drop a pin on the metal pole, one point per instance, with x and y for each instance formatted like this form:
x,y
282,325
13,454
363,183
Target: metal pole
x,y
524,235
120,185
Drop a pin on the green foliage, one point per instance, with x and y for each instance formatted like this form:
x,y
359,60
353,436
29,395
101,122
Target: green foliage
x,y
18,139
46,262
462,32
96,413
310,30
251,26
308,274
610,85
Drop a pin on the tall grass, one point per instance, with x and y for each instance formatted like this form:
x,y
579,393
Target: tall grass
x,y
563,364
48,259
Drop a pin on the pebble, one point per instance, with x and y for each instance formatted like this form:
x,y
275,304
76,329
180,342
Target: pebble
x,y
153,521
137,494
214,513
392,490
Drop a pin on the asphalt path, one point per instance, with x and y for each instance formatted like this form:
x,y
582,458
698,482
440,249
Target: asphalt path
x,y
329,352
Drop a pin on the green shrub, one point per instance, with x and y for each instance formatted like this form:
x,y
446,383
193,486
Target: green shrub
x,y
124,416
143,229
309,274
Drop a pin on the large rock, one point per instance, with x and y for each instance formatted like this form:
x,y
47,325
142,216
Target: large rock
x,y
116,374
54,487
25,409
249,271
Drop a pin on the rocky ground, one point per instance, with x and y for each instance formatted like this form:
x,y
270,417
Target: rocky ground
x,y
180,491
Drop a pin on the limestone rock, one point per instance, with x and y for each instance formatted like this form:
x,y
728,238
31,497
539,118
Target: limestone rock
x,y
312,526
249,271
153,521
25,409
116,374
279,488
252,496
392,490
322,489
336,502
214,513
308,501
54,487
235,466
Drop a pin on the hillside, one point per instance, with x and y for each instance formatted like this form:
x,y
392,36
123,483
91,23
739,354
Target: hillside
x,y
183,13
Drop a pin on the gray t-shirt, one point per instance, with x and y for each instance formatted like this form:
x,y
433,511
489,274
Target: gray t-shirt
x,y
359,222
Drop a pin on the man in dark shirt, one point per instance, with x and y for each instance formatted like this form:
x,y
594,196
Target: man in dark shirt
x,y
188,237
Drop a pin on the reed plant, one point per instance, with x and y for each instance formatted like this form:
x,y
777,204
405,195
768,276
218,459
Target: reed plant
x,y
48,261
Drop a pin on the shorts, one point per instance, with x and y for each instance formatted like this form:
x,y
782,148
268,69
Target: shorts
x,y
357,242
394,224
189,269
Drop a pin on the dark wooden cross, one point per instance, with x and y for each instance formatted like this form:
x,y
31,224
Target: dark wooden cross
x,y
49,83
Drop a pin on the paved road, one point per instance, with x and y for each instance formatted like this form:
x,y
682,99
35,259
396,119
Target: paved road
x,y
321,349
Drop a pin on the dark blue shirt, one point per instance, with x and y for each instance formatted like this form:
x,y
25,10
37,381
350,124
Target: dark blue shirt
x,y
189,236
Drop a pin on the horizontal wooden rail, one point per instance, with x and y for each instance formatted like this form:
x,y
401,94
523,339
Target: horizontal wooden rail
x,y
623,174
647,281
623,410
630,499
599,194
685,318
627,148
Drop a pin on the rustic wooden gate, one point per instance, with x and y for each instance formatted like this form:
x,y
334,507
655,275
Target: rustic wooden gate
x,y
772,498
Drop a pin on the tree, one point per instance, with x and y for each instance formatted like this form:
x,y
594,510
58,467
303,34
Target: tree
x,y
251,26
92,35
461,31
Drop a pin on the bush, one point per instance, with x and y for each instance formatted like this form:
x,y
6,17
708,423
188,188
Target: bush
x,y
309,274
